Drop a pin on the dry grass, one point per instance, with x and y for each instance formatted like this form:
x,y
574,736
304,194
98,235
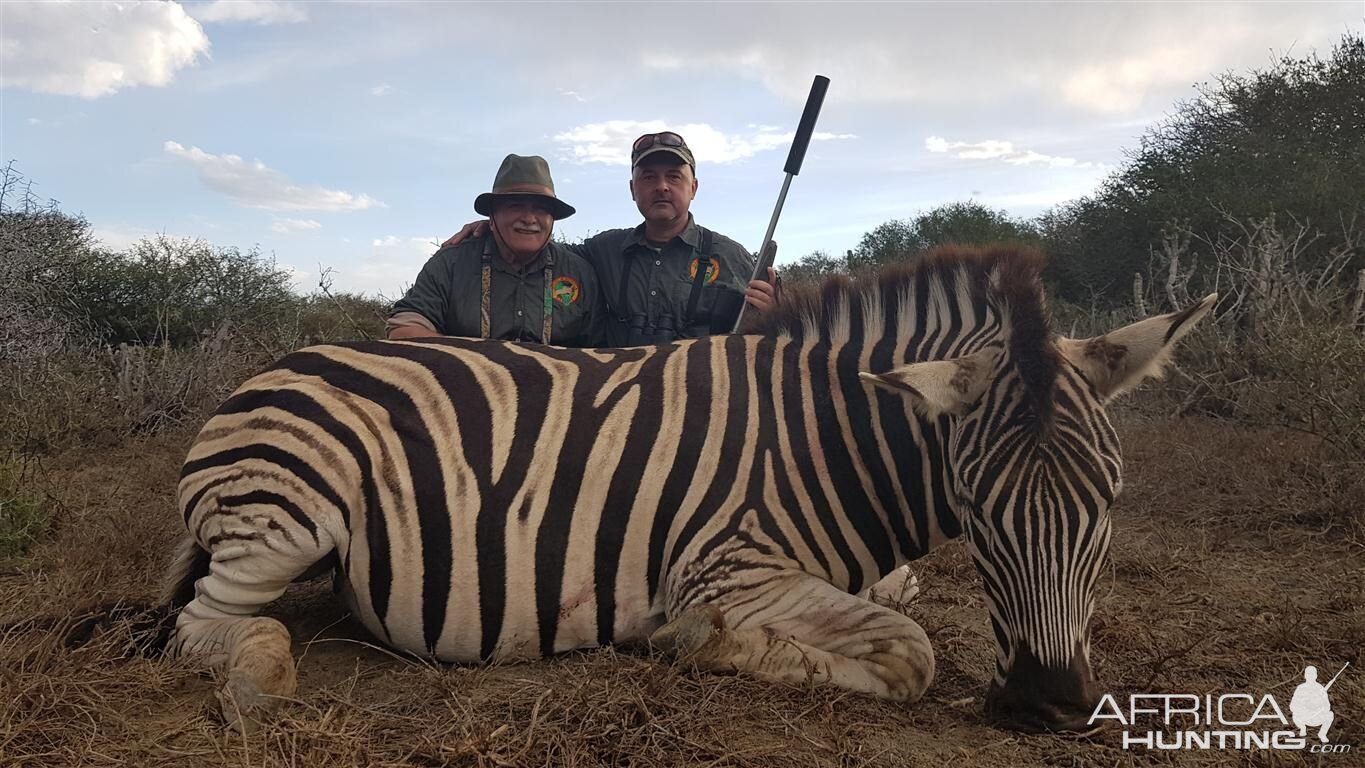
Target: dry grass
x,y
1226,575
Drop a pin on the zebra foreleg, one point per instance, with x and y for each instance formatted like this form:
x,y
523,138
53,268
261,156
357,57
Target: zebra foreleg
x,y
895,591
218,624
809,633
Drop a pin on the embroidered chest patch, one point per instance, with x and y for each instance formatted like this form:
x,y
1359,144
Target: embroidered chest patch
x,y
565,290
712,270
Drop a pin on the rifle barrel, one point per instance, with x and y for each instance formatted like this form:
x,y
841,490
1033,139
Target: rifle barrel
x,y
1334,677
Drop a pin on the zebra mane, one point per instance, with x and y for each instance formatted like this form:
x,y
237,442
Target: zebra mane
x,y
869,305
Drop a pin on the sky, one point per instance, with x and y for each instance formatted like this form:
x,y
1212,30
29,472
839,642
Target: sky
x,y
351,138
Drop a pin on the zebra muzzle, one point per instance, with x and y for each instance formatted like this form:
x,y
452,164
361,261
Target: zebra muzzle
x,y
1038,698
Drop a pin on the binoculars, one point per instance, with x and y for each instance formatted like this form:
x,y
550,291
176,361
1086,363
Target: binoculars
x,y
641,331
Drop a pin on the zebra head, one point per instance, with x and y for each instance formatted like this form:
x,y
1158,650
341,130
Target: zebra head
x,y
1035,467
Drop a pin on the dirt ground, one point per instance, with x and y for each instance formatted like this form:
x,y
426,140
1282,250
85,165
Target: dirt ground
x,y
1234,564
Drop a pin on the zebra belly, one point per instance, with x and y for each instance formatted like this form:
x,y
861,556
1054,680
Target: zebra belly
x,y
519,634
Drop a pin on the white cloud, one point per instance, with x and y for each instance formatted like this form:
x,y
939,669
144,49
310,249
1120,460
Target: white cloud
x,y
389,279
295,225
609,143
34,121
1104,58
390,266
95,49
255,186
1118,85
123,238
297,276
1036,199
261,12
571,94
1005,151
421,245
381,90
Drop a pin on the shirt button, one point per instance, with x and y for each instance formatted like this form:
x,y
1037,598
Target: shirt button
x,y
653,293
658,262
518,313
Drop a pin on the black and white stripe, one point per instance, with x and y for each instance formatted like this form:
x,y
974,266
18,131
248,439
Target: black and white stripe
x,y
491,500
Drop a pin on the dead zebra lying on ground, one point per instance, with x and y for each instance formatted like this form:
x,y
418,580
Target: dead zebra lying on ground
x,y
721,498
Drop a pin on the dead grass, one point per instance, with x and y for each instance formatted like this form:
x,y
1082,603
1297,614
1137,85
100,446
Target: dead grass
x,y
1224,576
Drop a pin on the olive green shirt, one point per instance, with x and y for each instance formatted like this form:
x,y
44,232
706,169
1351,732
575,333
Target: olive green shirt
x,y
659,280
449,294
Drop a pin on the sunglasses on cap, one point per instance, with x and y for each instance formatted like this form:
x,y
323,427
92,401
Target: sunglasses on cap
x,y
664,139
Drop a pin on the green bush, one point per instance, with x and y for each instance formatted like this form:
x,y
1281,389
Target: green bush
x,y
23,517
1288,140
963,223
95,346
174,291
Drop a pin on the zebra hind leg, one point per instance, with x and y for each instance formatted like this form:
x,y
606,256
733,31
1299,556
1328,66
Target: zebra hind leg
x,y
247,569
807,632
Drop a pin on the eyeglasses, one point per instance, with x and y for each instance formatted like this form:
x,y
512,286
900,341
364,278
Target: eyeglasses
x,y
665,139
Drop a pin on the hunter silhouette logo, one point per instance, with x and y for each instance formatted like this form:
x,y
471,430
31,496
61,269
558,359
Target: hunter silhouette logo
x,y
565,290
1310,706
1237,721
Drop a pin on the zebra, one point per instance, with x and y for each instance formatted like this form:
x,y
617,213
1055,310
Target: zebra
x,y
721,499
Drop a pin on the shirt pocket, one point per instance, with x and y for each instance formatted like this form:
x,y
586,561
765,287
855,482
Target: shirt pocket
x,y
683,294
570,320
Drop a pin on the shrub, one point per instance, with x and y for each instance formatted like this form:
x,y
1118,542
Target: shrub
x,y
23,516
1282,140
95,345
1284,349
175,291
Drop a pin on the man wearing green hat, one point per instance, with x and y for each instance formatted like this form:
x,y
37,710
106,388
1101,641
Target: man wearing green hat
x,y
512,282
667,278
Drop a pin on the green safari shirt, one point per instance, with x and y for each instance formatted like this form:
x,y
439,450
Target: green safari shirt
x,y
658,281
449,293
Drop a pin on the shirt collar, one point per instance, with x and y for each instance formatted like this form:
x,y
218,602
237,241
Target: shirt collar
x,y
490,251
691,235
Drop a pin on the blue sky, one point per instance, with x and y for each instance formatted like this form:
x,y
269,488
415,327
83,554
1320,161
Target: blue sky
x,y
353,137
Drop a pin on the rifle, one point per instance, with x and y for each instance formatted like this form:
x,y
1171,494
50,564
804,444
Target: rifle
x,y
798,153
1334,677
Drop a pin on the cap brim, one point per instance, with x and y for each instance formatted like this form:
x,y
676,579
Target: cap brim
x,y
656,149
485,203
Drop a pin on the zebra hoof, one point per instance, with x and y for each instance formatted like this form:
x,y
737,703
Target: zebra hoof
x,y
690,632
243,706
895,592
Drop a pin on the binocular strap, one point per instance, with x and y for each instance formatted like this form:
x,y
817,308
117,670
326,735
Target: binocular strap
x,y
698,280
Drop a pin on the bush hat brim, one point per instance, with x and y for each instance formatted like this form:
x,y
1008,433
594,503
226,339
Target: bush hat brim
x,y
523,177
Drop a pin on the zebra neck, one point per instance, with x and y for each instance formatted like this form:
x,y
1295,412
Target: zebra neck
x,y
867,477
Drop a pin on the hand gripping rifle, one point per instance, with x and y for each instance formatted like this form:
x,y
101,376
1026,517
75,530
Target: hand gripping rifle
x,y
793,167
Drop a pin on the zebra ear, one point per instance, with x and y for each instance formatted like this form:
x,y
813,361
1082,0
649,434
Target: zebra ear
x,y
940,386
1120,360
